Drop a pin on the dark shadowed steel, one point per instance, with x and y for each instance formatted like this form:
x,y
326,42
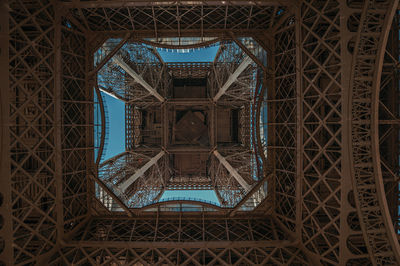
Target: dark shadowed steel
x,y
316,183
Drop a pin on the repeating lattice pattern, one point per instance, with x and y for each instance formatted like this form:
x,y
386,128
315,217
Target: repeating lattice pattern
x,y
32,140
321,129
77,126
154,21
282,120
183,229
180,241
180,256
370,198
147,188
333,195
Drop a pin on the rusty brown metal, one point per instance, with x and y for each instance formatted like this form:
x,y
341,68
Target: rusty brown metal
x,y
321,187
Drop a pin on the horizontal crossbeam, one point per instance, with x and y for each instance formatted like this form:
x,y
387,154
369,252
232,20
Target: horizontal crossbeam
x,y
119,3
186,244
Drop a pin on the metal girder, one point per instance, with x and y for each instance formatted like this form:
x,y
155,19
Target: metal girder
x,y
141,171
240,240
109,92
233,77
191,20
112,195
248,52
323,129
325,82
111,54
146,187
5,141
58,127
137,78
369,191
91,4
172,256
232,171
188,245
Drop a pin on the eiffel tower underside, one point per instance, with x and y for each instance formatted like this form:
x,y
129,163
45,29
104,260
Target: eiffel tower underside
x,y
295,126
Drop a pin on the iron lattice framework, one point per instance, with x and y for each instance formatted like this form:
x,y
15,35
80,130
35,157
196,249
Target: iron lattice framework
x,y
164,100
328,77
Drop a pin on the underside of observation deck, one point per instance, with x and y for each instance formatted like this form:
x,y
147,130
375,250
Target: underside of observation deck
x,y
189,125
294,125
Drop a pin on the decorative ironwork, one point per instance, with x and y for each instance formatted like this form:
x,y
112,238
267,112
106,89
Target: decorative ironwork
x,y
311,177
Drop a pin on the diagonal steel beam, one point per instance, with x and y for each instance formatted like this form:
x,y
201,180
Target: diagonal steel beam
x,y
137,78
111,93
233,77
141,171
232,171
111,54
111,194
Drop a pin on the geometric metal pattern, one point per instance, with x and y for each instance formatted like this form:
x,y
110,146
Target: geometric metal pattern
x,y
330,84
207,241
137,75
373,212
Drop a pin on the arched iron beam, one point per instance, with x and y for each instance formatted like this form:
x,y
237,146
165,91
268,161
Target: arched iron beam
x,y
187,46
392,235
184,201
372,208
103,126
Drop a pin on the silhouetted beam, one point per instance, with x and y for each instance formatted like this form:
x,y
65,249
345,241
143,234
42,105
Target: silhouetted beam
x,y
111,93
137,78
141,171
233,77
232,171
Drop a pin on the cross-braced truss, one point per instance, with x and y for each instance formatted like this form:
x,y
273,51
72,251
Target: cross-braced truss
x,y
137,75
207,241
323,72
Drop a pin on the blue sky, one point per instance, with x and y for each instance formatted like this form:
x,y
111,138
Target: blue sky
x,y
116,126
116,118
193,55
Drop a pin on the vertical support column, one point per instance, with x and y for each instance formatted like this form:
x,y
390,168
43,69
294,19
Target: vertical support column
x,y
58,95
213,135
319,173
346,184
89,119
165,122
299,124
6,231
271,110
